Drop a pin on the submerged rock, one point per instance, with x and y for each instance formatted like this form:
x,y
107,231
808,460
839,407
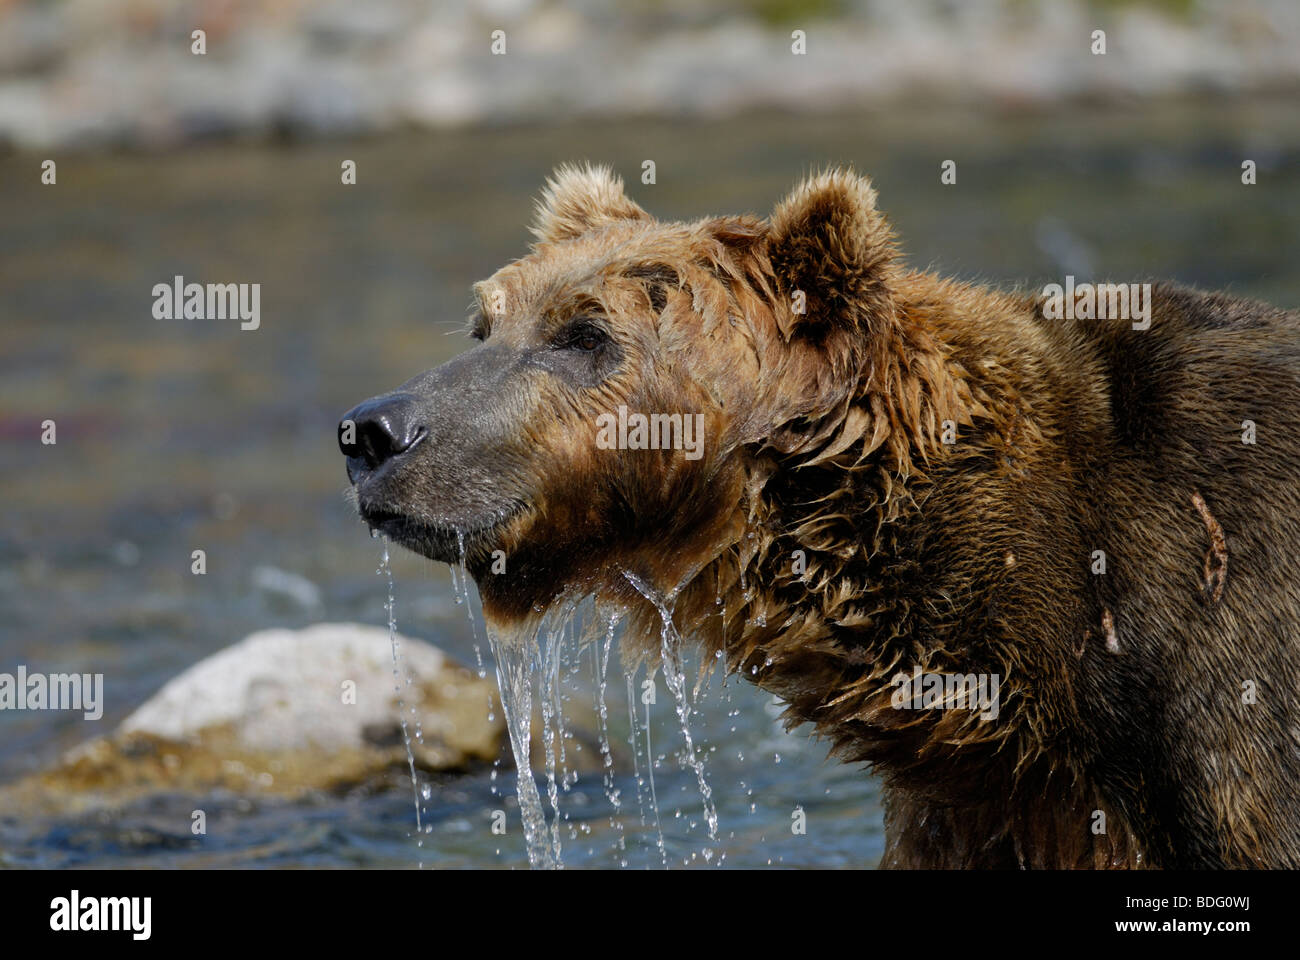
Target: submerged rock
x,y
285,712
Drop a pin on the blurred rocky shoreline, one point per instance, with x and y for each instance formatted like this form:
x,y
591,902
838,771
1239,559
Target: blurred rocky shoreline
x,y
81,74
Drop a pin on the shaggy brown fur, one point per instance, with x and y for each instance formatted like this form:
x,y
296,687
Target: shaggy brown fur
x,y
828,540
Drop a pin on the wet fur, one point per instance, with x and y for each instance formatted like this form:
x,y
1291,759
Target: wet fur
x,y
1121,693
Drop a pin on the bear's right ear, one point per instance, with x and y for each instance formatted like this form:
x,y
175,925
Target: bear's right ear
x,y
576,199
828,241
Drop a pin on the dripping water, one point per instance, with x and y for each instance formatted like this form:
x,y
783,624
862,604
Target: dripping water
x,y
516,662
386,570
600,664
654,796
538,651
461,587
641,786
675,677
553,724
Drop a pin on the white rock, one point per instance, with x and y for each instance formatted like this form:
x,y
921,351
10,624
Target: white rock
x,y
283,690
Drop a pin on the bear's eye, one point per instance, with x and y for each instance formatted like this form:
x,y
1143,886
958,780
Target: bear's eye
x,y
585,337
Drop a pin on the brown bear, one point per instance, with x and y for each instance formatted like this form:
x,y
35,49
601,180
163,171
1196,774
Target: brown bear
x,y
873,492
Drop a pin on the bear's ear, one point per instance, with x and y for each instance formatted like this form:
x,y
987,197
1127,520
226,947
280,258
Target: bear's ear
x,y
827,240
575,199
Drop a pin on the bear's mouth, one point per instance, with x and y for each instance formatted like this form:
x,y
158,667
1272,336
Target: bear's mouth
x,y
440,540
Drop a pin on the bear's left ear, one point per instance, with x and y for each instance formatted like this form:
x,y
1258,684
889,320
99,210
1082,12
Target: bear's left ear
x,y
827,240
576,199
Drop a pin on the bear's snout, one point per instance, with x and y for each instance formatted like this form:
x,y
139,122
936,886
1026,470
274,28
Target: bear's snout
x,y
437,464
378,430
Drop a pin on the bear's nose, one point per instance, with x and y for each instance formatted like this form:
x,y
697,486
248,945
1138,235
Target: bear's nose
x,y
378,430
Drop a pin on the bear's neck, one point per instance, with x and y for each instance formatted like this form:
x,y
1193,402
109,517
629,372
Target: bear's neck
x,y
903,557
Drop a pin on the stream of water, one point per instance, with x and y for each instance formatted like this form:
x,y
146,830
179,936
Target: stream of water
x,y
531,670
386,570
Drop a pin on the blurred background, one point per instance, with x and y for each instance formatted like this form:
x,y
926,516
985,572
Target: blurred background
x,y
225,166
